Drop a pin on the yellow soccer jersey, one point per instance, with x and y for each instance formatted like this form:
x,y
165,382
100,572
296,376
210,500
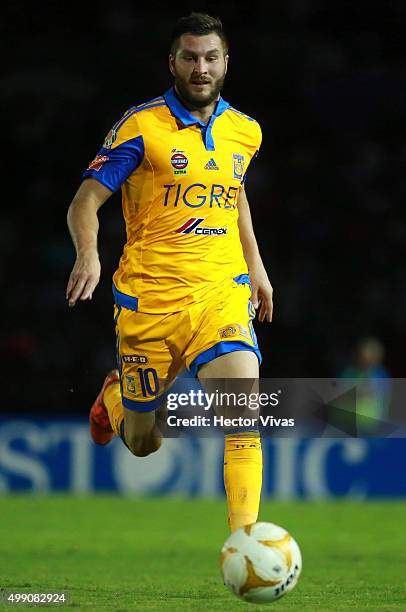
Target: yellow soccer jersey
x,y
180,181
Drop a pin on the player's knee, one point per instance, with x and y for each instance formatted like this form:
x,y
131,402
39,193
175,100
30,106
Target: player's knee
x,y
143,446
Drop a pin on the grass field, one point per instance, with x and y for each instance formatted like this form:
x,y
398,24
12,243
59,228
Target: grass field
x,y
159,554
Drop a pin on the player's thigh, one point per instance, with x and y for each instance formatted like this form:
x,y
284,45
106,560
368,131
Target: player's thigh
x,y
233,376
225,345
238,364
146,367
145,362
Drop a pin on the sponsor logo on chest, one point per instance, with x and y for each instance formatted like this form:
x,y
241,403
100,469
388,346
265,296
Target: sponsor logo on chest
x,y
211,165
179,162
192,227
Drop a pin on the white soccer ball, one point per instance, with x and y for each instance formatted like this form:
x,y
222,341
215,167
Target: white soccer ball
x,y
260,562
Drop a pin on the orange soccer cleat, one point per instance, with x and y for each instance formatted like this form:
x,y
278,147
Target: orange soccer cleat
x,y
100,428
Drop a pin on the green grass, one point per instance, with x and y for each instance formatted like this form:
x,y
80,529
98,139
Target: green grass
x,y
162,554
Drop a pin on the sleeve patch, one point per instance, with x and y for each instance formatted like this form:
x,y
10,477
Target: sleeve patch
x,y
98,162
112,167
110,138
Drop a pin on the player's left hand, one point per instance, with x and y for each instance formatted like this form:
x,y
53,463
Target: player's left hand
x,y
262,293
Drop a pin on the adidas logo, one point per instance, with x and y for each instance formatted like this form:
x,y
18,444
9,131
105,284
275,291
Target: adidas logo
x,y
211,165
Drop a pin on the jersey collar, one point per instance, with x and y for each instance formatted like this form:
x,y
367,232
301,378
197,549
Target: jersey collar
x,y
182,113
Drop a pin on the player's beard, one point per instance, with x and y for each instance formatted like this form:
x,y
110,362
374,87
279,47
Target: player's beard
x,y
199,100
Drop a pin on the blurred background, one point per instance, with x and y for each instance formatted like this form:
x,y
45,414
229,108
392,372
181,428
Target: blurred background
x,y
326,81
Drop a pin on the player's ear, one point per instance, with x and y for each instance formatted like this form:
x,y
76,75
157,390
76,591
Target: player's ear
x,y
171,64
226,58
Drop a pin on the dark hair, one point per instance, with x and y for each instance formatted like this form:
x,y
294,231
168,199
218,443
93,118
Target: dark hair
x,y
199,24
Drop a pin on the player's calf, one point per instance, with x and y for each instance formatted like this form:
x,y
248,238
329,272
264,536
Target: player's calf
x,y
142,447
140,433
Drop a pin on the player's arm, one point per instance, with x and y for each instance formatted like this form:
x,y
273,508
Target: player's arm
x,y
83,225
261,287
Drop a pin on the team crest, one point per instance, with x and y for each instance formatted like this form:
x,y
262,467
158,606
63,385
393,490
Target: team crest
x,y
179,162
130,385
110,138
238,166
228,332
233,330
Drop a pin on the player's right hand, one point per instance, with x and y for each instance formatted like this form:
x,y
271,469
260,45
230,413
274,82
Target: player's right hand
x,y
84,277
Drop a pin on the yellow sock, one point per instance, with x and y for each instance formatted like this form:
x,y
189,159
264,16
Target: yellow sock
x,y
242,477
112,401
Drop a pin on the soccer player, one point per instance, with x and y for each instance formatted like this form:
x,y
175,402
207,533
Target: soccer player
x,y
191,276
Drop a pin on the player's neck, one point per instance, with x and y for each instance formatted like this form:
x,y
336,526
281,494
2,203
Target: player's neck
x,y
203,114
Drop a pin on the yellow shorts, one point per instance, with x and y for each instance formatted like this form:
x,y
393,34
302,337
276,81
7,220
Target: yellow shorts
x,y
153,348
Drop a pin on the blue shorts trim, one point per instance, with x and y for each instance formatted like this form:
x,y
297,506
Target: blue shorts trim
x,y
147,406
122,299
222,348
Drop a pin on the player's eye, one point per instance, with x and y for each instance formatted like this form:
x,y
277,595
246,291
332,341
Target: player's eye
x,y
213,58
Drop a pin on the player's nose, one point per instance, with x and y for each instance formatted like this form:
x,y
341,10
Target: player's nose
x,y
200,66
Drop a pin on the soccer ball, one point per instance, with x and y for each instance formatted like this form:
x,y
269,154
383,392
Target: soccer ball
x,y
260,562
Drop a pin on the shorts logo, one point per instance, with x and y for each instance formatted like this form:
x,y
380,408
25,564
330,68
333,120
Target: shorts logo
x,y
191,227
110,138
135,359
233,330
130,385
98,162
179,162
243,332
238,166
211,165
228,332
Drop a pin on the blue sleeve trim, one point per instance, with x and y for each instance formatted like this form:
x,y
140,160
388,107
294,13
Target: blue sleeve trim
x,y
137,406
242,279
122,299
117,164
222,348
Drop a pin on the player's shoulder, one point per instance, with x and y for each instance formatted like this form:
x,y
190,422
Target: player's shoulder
x,y
243,116
138,111
132,123
244,122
